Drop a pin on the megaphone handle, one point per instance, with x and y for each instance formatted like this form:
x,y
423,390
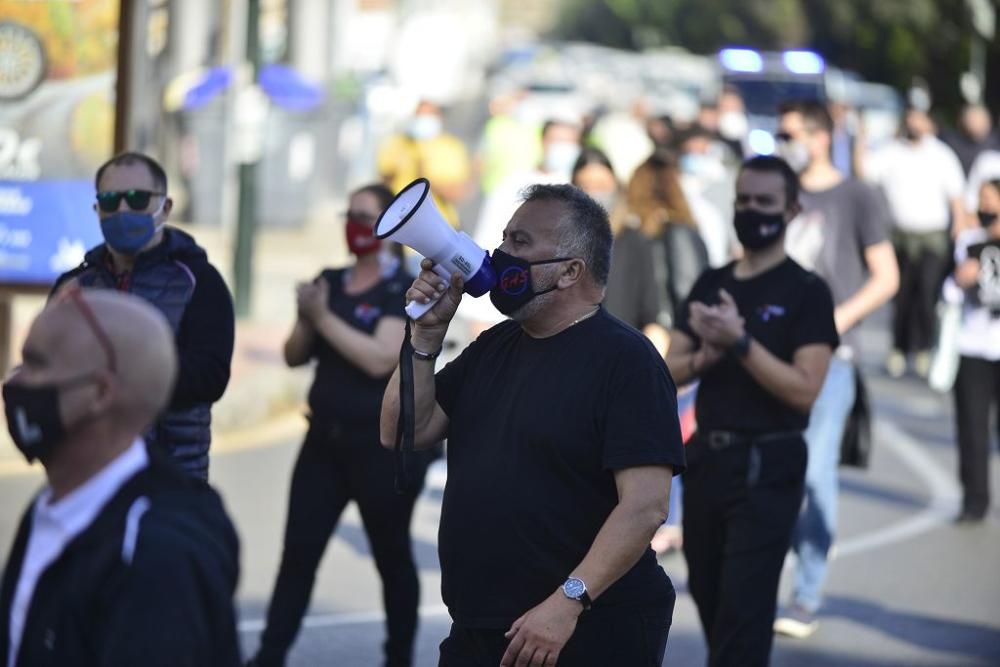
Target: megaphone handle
x,y
414,309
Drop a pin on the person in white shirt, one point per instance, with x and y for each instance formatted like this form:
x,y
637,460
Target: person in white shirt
x,y
121,559
976,285
923,181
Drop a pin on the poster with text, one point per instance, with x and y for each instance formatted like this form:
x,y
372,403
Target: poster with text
x,y
58,61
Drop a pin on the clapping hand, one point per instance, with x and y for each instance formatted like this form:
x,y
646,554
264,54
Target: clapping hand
x,y
719,326
312,299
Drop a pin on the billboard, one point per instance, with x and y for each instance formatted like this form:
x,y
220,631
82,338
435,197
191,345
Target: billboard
x,y
58,61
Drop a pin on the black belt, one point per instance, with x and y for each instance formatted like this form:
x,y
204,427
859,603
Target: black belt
x,y
724,439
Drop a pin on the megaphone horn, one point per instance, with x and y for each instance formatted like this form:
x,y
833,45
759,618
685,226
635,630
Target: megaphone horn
x,y
413,220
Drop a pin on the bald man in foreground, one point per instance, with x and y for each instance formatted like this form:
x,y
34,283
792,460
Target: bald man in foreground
x,y
120,559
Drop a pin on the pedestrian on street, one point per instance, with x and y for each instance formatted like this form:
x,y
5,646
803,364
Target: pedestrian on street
x,y
121,559
759,333
351,321
632,294
923,182
976,284
973,136
842,234
425,149
141,255
562,440
655,195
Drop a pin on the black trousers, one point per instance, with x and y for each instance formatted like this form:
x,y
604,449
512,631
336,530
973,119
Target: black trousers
x,y
923,262
636,637
977,392
740,507
330,471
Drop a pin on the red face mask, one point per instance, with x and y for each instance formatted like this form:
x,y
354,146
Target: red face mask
x,y
361,238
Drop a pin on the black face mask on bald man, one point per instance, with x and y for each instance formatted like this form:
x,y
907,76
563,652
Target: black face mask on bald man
x,y
33,417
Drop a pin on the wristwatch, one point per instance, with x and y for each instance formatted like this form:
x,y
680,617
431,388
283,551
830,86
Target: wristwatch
x,y
575,589
741,348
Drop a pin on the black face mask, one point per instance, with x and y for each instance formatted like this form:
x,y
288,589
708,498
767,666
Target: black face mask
x,y
757,230
986,219
33,416
514,288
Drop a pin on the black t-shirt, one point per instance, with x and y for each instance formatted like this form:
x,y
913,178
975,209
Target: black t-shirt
x,y
537,429
342,393
785,308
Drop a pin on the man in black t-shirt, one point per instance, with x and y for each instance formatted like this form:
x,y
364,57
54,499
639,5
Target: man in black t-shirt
x,y
562,439
759,333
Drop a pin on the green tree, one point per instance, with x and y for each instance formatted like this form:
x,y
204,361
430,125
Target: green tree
x,y
889,41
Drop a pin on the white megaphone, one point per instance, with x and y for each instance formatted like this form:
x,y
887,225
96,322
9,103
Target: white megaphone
x,y
413,220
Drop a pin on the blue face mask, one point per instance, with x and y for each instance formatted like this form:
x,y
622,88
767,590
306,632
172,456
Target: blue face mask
x,y
128,232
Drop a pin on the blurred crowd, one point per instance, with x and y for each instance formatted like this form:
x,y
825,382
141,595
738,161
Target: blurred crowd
x,y
913,220
671,180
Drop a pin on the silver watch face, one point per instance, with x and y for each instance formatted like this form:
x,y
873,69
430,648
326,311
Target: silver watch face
x,y
574,588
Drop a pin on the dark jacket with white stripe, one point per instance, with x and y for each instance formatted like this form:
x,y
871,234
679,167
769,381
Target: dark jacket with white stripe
x,y
150,582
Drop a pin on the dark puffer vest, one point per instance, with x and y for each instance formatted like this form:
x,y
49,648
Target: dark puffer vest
x,y
162,276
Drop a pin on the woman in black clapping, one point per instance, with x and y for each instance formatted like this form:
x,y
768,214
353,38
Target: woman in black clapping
x,y
351,321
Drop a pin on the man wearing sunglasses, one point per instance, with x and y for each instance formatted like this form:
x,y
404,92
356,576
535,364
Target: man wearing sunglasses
x,y
143,256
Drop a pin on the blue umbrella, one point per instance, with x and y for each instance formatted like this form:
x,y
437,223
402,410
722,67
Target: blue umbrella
x,y
283,85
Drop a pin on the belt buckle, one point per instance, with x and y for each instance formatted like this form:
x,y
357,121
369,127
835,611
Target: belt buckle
x,y
719,439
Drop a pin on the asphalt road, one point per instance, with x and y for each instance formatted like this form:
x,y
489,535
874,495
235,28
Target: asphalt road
x,y
906,587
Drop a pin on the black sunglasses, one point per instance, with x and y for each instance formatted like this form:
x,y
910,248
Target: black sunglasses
x,y
783,137
137,200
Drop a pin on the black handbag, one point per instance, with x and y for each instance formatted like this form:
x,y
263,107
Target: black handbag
x,y
856,445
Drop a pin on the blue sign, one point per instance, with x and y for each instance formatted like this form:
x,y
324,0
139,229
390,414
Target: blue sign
x,y
45,229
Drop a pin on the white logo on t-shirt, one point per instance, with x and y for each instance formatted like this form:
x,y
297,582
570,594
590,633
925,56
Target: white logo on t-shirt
x,y
989,277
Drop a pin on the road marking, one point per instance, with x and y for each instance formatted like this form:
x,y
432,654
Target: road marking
x,y
942,506
944,494
345,618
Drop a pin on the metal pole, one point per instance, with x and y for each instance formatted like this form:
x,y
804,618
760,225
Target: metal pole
x,y
123,82
246,213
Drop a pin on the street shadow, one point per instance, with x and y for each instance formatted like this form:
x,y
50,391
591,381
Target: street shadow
x,y
688,648
936,634
786,653
424,553
867,490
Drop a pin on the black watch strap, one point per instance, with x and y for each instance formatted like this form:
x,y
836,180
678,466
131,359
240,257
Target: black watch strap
x,y
423,356
741,348
575,589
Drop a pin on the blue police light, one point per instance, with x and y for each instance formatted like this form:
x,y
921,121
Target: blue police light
x,y
761,142
803,62
741,60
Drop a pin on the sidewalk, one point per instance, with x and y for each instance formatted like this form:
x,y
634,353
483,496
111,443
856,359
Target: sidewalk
x,y
261,388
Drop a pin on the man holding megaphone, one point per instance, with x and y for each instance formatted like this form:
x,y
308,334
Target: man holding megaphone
x,y
562,440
